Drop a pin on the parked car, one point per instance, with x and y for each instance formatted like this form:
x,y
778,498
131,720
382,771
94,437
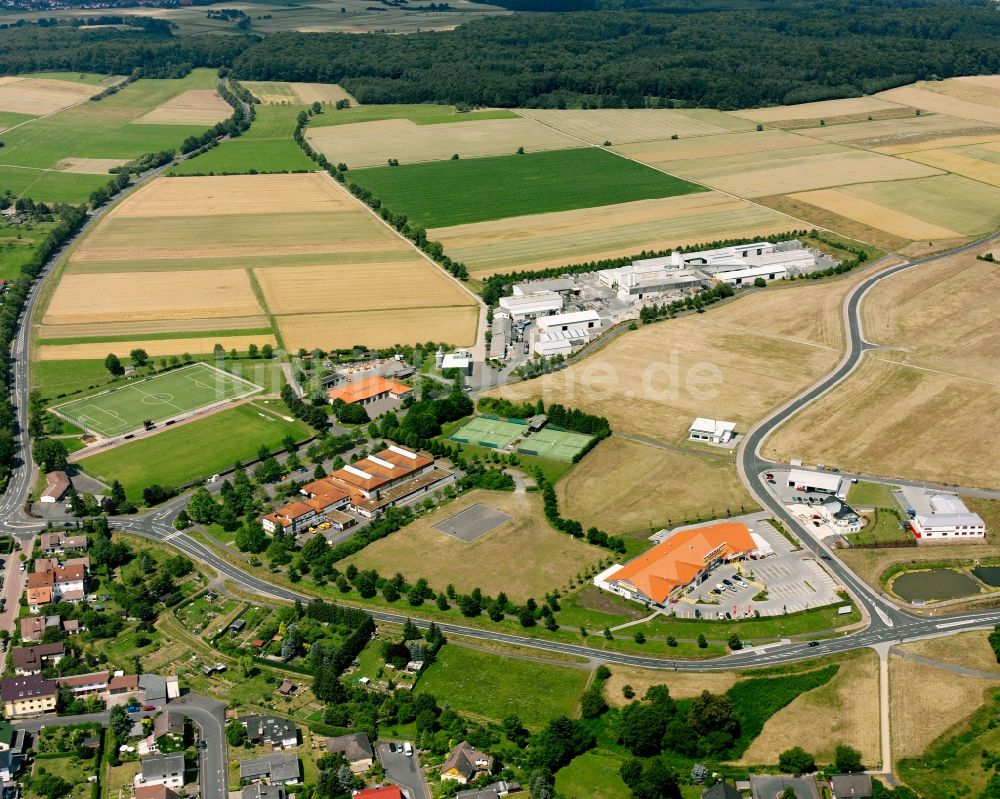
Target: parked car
x,y
770,477
147,708
814,643
408,749
727,582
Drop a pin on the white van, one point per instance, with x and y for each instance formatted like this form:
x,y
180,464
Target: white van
x,y
408,749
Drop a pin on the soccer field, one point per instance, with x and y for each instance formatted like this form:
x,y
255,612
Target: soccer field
x,y
156,399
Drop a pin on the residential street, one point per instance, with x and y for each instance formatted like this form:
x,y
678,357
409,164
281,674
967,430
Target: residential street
x,y
403,771
13,586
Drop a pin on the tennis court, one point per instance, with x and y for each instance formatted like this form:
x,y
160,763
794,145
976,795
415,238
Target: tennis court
x,y
156,399
555,445
484,432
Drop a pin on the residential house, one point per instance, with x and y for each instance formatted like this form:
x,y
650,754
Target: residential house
x,y
771,786
465,763
38,597
154,792
166,770
494,791
169,724
276,768
278,732
86,684
56,486
28,696
13,744
57,543
51,564
33,627
356,748
63,583
260,790
32,659
287,688
153,688
850,786
123,685
721,790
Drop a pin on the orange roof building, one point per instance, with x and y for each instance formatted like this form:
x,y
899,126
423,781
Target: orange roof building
x,y
369,390
380,471
681,559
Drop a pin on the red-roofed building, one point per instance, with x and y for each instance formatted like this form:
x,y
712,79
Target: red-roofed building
x,y
369,390
682,559
383,792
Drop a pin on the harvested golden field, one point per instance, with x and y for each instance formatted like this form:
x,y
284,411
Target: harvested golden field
x,y
959,164
968,206
411,283
662,153
140,328
899,133
193,107
41,96
183,251
943,316
824,109
891,419
325,93
565,237
151,295
682,685
926,702
656,380
634,125
676,487
421,551
154,347
814,216
970,650
878,216
235,195
955,97
271,92
844,711
798,169
455,325
89,166
365,144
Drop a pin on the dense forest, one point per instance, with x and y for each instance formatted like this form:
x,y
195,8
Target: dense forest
x,y
109,51
626,53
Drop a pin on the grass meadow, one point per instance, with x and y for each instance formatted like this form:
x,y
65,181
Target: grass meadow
x,y
488,685
17,246
476,190
193,450
267,147
420,114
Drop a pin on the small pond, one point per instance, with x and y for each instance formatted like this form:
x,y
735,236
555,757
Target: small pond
x,y
934,585
988,574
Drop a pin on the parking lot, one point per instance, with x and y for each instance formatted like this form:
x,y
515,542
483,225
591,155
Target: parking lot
x,y
791,580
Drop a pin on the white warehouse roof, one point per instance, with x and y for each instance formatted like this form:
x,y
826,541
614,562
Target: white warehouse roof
x,y
714,427
539,302
818,480
572,318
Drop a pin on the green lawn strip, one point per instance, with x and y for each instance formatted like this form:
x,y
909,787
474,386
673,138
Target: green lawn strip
x,y
9,119
864,494
420,114
956,764
191,451
90,78
593,775
492,686
883,528
267,147
252,331
48,185
442,193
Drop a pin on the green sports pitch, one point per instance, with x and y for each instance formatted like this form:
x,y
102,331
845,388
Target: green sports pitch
x,y
556,445
169,396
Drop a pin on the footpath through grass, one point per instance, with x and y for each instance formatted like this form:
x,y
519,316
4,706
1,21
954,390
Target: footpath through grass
x,y
443,193
194,450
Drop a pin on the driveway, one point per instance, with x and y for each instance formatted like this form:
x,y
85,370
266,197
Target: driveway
x,y
403,771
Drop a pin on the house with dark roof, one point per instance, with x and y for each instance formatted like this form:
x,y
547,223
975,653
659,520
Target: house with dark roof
x,y
167,770
356,748
57,543
495,791
278,732
851,786
465,763
276,768
721,790
28,696
769,786
86,684
261,790
32,659
33,627
153,688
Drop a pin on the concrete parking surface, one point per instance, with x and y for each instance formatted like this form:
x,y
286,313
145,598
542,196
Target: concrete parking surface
x,y
403,771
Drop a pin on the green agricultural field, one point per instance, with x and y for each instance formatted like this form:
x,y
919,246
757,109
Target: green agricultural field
x,y
194,450
420,114
17,246
267,147
443,193
489,685
104,129
158,398
592,775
